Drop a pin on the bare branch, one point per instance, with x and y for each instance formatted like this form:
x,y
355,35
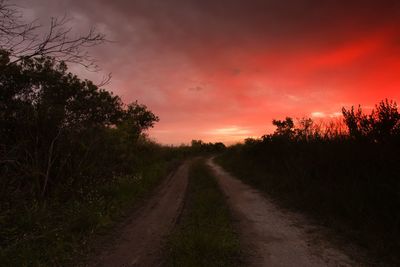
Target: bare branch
x,y
23,40
105,81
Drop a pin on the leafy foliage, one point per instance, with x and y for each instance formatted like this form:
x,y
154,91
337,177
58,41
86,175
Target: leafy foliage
x,y
73,157
56,128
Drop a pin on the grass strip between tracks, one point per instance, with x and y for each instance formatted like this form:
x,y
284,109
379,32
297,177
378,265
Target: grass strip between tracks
x,y
204,236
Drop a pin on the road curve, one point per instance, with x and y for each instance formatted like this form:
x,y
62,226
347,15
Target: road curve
x,y
269,236
140,241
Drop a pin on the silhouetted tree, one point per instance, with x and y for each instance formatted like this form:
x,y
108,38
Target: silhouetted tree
x,y
385,120
304,129
137,118
53,125
358,124
381,125
219,146
285,128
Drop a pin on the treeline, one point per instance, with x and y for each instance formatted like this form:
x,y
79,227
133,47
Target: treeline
x,y
343,173
201,147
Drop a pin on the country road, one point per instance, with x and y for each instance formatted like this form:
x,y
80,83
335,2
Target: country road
x,y
139,242
270,237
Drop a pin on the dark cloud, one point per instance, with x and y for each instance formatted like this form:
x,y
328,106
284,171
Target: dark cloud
x,y
197,23
251,55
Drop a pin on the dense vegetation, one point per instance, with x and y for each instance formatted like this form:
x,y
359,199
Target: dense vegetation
x,y
345,174
204,235
72,158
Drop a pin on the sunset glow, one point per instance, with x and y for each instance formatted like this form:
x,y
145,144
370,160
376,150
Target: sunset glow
x,y
222,70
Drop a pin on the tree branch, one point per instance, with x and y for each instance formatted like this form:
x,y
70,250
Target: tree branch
x,y
23,40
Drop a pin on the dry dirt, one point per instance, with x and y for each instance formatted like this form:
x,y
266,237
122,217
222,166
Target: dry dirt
x,y
139,242
271,237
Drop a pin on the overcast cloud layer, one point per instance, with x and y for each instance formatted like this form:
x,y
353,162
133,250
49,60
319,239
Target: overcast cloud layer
x,y
222,70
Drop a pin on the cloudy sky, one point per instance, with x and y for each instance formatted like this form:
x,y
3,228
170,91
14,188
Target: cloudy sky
x,y
222,70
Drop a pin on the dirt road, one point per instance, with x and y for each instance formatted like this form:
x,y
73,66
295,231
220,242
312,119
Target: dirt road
x,y
271,237
139,242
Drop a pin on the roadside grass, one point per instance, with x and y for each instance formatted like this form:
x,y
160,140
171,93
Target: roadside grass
x,y
204,235
59,234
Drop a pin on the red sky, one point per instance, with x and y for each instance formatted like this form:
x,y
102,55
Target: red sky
x,y
222,70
